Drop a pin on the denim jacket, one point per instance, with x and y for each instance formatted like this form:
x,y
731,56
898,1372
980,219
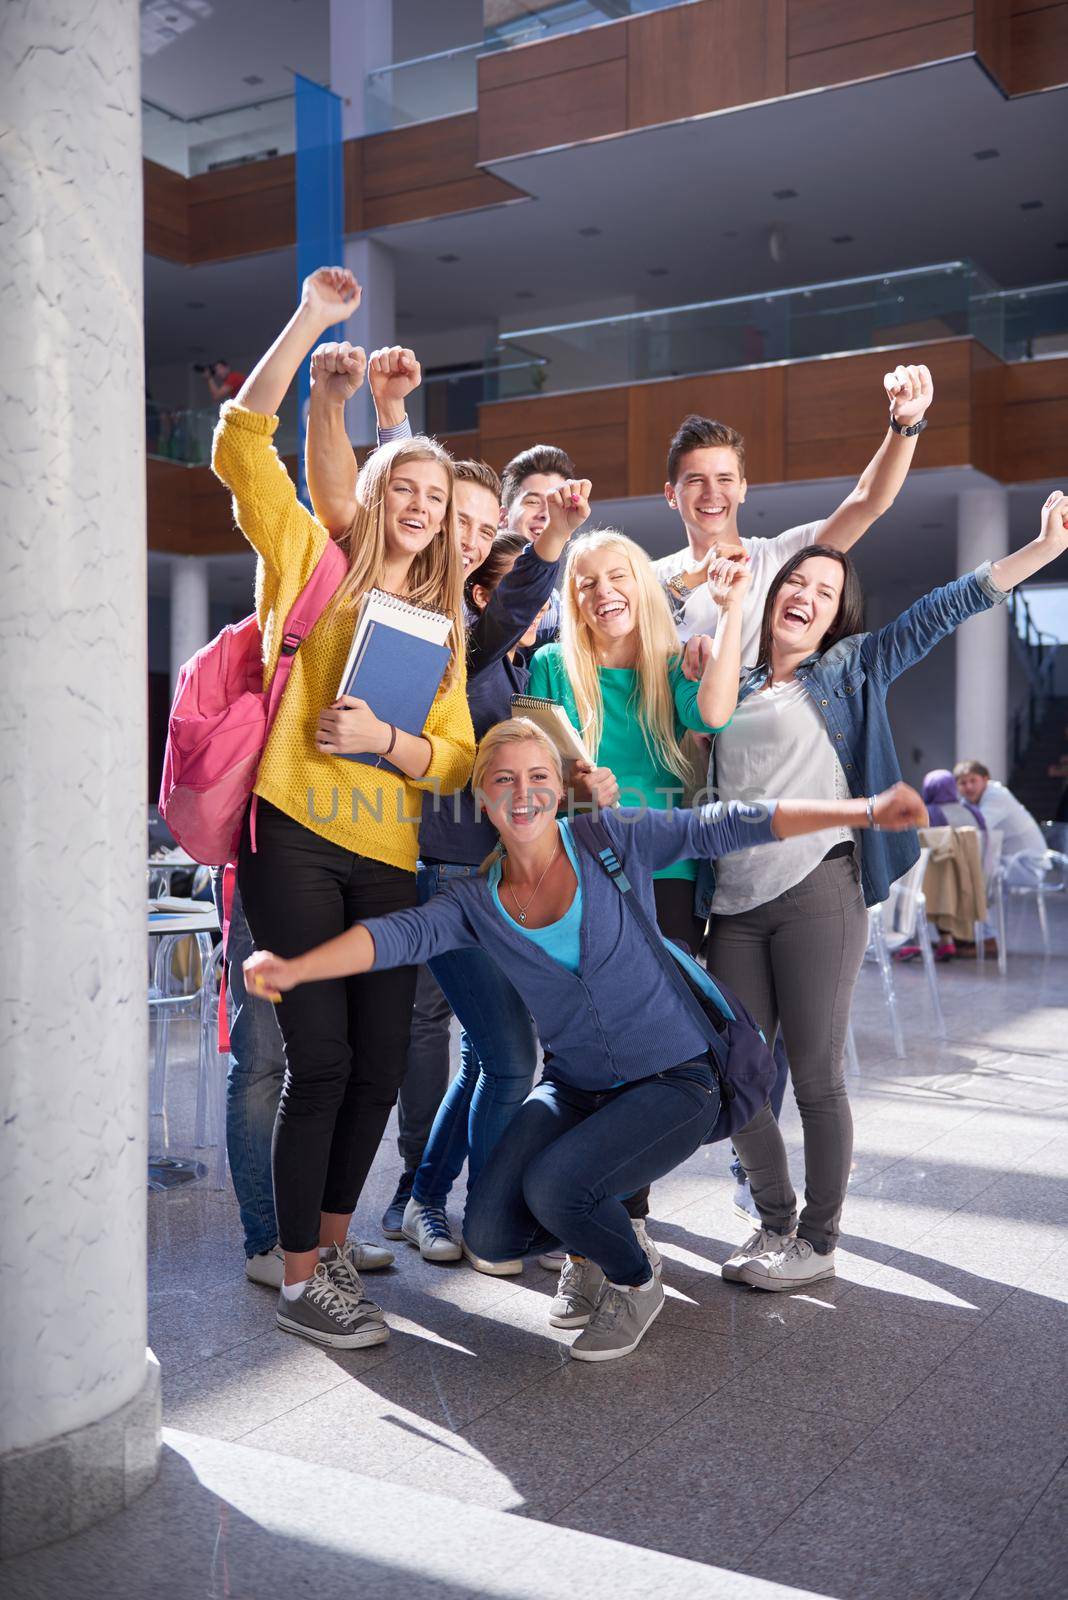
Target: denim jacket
x,y
848,685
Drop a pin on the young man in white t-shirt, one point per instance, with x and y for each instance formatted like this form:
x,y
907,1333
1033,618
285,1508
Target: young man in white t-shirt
x,y
706,486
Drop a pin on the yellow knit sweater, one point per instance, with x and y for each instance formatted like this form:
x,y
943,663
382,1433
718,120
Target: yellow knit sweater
x,y
358,807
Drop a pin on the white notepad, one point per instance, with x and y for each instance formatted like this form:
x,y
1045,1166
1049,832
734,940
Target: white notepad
x,y
417,621
552,719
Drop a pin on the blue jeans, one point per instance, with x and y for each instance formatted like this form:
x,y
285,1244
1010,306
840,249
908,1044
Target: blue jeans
x,y
778,1094
498,1056
253,1087
569,1155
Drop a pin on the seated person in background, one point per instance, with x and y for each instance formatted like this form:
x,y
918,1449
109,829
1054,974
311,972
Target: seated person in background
x,y
1023,848
947,810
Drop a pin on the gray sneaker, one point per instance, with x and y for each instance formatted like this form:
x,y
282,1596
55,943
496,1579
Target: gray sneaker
x,y
344,1267
328,1313
620,1321
653,1255
761,1243
393,1216
577,1293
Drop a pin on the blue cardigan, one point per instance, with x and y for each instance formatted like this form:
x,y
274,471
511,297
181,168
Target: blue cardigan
x,y
617,1019
848,685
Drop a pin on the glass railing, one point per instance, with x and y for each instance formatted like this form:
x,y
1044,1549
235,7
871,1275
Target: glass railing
x,y
445,83
1033,322
231,138
184,435
447,402
944,301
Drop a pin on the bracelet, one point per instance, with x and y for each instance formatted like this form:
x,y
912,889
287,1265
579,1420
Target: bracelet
x,y
388,751
870,806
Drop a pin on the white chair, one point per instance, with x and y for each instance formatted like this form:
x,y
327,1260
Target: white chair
x,y
1053,881
212,1068
995,896
901,920
170,998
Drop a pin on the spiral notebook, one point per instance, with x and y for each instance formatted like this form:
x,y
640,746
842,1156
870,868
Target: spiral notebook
x,y
552,719
397,661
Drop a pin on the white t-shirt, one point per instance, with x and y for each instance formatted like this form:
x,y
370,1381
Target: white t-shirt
x,y
1020,833
701,613
776,747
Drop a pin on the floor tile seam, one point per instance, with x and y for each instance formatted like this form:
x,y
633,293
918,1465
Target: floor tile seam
x,y
307,1401
1019,1529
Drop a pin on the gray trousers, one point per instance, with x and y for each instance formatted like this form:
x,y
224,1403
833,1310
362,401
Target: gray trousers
x,y
795,962
426,1076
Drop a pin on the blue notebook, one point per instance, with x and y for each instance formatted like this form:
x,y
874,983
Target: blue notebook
x,y
396,664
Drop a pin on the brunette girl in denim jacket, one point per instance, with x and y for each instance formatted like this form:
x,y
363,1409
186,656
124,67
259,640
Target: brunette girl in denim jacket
x,y
789,927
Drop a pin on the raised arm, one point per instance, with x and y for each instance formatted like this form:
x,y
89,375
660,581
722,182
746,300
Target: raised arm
x,y
327,296
1052,541
910,391
337,372
393,373
717,693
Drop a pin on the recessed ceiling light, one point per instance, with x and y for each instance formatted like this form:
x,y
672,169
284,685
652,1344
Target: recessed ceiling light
x,y
1031,205
657,272
1062,244
841,238
524,294
985,155
195,305
448,257
253,78
784,194
589,233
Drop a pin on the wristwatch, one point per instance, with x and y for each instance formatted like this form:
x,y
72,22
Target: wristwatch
x,y
907,433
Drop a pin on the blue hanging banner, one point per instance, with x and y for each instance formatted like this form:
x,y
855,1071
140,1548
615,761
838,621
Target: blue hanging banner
x,y
320,213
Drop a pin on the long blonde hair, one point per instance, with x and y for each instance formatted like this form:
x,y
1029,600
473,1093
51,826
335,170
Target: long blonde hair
x,y
435,577
514,730
657,649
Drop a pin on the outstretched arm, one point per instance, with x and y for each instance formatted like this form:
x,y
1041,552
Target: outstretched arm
x,y
1052,541
910,391
337,372
327,296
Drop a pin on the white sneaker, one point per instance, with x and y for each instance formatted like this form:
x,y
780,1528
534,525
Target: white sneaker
x,y
493,1269
427,1227
269,1266
552,1260
641,1233
761,1243
792,1267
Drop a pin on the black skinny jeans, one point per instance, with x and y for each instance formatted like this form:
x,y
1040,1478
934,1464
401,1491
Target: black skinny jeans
x,y
346,1040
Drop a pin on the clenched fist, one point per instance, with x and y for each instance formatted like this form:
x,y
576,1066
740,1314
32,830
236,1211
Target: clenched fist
x,y
330,294
337,370
569,507
910,391
899,808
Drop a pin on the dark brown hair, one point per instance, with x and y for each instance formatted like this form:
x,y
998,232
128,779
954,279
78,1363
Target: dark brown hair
x,y
971,769
488,574
848,619
478,472
701,433
539,458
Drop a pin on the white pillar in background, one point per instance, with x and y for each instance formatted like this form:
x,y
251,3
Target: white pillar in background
x,y
982,643
190,610
79,1394
361,39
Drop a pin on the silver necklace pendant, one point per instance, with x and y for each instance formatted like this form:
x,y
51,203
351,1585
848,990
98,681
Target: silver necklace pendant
x,y
522,916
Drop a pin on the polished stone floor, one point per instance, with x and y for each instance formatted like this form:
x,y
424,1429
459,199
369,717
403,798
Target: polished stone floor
x,y
896,1434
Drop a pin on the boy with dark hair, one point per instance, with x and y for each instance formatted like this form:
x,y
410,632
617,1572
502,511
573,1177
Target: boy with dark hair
x,y
707,486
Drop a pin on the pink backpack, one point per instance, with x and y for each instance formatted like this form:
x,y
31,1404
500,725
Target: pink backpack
x,y
221,718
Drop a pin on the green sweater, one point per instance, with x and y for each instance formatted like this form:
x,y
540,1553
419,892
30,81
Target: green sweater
x,y
642,777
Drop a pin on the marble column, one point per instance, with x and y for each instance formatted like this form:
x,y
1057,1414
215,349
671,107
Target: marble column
x,y
79,1392
982,643
190,609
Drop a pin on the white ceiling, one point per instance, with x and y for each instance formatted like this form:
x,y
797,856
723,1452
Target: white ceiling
x,y
197,54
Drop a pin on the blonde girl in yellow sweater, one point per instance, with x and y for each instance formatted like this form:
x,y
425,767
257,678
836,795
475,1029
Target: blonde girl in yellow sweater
x,y
336,841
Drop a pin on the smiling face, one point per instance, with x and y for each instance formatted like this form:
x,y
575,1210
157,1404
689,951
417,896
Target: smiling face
x,y
417,500
806,605
477,513
707,493
520,791
606,591
528,513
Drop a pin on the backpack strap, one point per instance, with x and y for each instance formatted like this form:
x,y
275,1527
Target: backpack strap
x,y
229,879
303,614
596,839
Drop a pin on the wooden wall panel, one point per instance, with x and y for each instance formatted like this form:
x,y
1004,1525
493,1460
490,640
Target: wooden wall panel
x,y
889,52
819,25
591,427
836,410
189,512
690,60
582,103
427,170
993,40
988,376
243,210
547,58
1039,57
166,202
751,401
1033,426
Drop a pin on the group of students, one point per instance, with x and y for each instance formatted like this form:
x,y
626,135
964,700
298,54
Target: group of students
x,y
457,878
